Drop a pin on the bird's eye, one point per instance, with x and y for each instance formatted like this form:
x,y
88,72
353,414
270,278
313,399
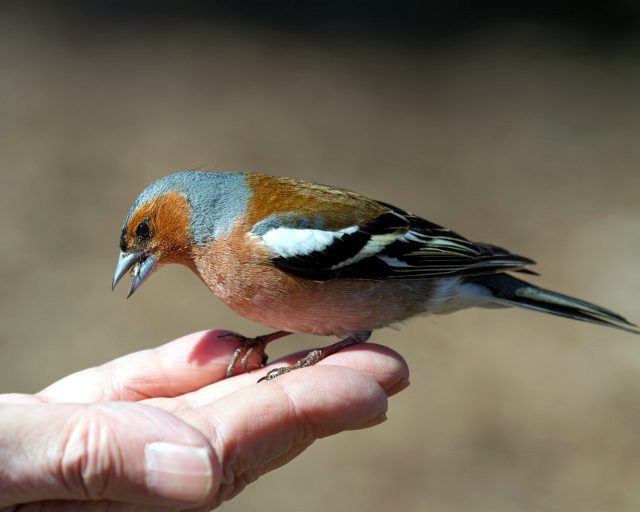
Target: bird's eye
x,y
142,230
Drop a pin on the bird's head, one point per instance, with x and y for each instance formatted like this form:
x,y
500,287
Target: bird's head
x,y
156,231
171,216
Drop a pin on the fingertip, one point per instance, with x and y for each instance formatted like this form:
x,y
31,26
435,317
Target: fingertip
x,y
386,366
339,397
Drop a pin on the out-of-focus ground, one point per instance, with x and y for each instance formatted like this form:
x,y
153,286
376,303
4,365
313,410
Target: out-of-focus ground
x,y
523,136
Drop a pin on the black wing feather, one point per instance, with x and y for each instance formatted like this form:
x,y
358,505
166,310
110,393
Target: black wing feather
x,y
407,247
320,265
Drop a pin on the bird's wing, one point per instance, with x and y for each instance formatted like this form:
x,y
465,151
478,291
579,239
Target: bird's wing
x,y
393,244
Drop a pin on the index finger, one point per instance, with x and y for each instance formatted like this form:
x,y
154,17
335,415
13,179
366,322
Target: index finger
x,y
172,369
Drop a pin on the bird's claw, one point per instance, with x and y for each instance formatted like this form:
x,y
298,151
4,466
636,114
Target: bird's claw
x,y
276,372
249,346
309,360
318,355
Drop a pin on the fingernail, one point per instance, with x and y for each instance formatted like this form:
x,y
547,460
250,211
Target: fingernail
x,y
375,421
398,386
178,472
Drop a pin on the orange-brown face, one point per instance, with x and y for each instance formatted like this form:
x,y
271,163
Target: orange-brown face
x,y
157,232
159,227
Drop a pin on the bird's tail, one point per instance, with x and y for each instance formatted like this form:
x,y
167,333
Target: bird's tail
x,y
510,291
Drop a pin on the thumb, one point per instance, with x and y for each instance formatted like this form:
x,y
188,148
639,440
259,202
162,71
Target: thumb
x,y
120,451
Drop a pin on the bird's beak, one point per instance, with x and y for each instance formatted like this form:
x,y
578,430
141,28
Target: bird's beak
x,y
142,265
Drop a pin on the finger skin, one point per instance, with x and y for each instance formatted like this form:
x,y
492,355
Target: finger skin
x,y
261,427
172,369
381,363
90,452
252,431
194,361
247,428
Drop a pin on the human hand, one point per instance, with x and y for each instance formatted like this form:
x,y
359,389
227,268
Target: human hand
x,y
162,430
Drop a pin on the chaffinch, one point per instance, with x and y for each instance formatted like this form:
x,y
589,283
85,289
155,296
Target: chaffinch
x,y
301,257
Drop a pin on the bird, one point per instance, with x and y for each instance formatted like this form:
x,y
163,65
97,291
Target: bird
x,y
301,257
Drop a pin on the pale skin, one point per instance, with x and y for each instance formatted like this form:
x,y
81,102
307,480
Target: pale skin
x,y
100,439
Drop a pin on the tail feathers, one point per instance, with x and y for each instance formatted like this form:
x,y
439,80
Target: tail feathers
x,y
510,291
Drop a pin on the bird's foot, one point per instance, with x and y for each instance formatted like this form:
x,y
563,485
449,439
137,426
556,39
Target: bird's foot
x,y
249,346
318,355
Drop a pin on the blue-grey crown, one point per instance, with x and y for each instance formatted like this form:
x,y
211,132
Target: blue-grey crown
x,y
217,199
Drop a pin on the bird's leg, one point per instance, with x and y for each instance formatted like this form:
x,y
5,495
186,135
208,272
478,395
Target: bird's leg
x,y
319,354
249,346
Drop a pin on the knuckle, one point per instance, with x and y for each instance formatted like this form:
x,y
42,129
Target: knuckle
x,y
89,459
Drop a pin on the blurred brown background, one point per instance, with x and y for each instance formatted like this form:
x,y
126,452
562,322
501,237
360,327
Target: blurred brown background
x,y
515,127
